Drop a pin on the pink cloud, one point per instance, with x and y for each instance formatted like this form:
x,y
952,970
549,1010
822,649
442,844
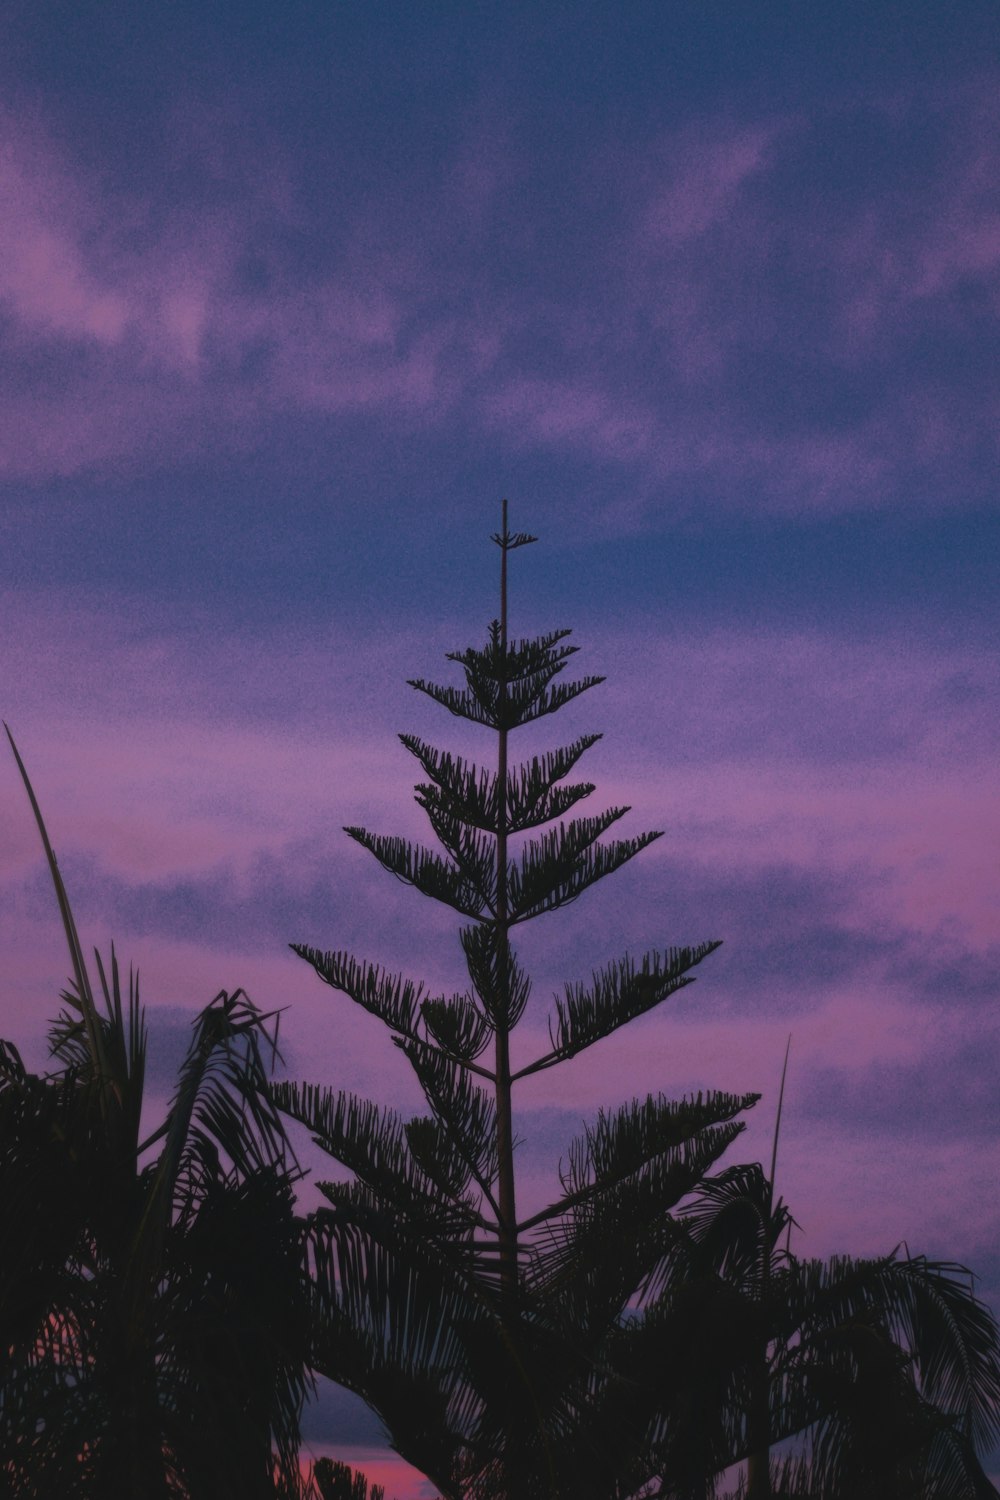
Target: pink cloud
x,y
799,749
704,172
78,265
901,258
678,295
862,772
561,414
155,309
44,279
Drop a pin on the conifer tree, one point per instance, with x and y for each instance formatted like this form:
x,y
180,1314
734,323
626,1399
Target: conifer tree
x,y
497,1349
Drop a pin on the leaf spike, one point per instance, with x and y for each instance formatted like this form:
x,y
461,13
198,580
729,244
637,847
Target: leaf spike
x,y
777,1119
82,978
774,1146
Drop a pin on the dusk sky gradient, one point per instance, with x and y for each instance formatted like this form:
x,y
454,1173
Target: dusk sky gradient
x,y
290,296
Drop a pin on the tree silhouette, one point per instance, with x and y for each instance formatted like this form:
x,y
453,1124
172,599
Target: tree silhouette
x,y
852,1379
153,1305
497,1349
336,1481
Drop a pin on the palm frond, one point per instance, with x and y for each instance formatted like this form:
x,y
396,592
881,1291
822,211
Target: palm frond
x,y
81,978
736,1226
924,1307
221,1110
337,1481
390,1326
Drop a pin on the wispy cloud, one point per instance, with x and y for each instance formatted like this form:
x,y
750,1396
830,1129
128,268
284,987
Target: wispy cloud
x,y
829,811
788,362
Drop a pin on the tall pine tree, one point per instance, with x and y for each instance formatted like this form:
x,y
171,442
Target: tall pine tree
x,y
497,1350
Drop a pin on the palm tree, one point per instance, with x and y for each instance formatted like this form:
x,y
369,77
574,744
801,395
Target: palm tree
x,y
153,1298
851,1379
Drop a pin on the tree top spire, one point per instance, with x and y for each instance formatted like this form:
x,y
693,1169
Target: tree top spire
x,y
508,540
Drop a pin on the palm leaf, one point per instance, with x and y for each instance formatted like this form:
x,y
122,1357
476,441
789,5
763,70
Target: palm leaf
x,y
82,980
336,1481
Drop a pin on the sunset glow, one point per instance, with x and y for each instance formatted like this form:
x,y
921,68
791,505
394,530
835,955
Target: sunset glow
x,y
290,297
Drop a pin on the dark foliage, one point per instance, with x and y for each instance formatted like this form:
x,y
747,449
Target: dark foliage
x,y
643,1334
153,1296
495,1348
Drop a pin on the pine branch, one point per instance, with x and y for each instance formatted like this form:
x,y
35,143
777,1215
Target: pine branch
x,y
525,708
374,1144
459,1242
467,792
434,1152
616,996
598,1245
533,796
460,789
394,999
507,689
467,1113
458,701
497,976
508,697
557,868
623,1141
523,658
458,1026
626,1144
470,849
424,870
509,540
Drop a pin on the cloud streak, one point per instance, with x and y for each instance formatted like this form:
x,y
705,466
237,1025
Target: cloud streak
x,y
285,308
704,337
828,811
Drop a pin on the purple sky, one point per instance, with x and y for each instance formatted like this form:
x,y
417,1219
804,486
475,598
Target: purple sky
x,y
289,297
